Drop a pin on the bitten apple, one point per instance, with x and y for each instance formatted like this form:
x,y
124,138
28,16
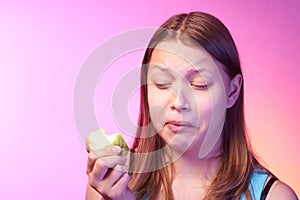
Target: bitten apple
x,y
95,140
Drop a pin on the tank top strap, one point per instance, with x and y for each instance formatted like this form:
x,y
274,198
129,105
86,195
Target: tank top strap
x,y
256,185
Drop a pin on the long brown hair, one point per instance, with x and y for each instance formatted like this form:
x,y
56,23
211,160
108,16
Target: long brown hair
x,y
238,161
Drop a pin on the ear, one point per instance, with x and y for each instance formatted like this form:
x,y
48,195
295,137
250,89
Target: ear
x,y
234,90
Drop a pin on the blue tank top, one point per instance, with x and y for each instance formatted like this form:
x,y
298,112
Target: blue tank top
x,y
256,186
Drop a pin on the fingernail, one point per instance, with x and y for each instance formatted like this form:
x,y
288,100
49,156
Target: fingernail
x,y
116,149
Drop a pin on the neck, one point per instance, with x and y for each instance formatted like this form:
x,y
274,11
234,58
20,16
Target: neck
x,y
190,167
204,170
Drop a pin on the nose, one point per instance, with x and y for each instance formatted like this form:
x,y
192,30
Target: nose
x,y
180,100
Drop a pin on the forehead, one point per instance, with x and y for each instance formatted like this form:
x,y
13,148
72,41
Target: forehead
x,y
180,57
183,59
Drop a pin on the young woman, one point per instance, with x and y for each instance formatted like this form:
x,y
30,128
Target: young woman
x,y
191,142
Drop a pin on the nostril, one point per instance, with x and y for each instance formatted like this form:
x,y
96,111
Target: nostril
x,y
179,105
180,98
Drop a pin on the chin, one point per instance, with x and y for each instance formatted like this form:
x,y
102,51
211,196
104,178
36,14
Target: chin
x,y
179,143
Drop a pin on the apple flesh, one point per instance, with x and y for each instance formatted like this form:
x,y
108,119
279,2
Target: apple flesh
x,y
98,139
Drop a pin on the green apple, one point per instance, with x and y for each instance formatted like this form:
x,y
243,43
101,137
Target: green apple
x,y
98,138
117,139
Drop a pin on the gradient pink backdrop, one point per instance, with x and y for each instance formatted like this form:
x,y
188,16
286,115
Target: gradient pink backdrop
x,y
44,43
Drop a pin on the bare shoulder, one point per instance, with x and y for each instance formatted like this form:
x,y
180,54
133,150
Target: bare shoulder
x,y
280,190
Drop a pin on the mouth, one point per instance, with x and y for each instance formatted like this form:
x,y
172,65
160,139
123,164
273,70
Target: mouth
x,y
177,126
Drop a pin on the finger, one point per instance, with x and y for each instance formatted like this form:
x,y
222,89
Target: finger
x,y
122,183
102,178
113,175
101,165
106,151
122,168
98,172
90,163
115,186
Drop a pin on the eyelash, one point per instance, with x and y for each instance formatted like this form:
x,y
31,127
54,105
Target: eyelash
x,y
199,87
166,86
162,86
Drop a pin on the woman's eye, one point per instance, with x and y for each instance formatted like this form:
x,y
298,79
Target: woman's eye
x,y
162,86
199,87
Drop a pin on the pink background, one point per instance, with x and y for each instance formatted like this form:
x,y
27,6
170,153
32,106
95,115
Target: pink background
x,y
44,43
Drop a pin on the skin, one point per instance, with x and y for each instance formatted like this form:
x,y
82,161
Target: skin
x,y
281,190
108,179
176,94
185,85
187,96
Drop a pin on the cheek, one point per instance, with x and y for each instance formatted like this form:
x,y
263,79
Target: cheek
x,y
157,105
203,103
216,122
156,98
211,107
202,110
217,101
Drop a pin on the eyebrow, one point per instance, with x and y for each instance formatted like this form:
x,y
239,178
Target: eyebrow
x,y
190,72
161,67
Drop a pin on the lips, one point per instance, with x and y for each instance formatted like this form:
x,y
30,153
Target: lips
x,y
177,126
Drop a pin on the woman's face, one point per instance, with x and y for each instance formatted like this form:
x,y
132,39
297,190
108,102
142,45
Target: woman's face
x,y
187,96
